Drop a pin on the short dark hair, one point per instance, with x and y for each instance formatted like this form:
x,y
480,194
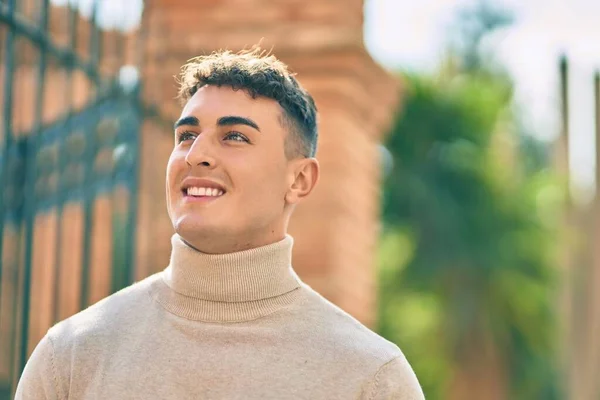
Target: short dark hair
x,y
259,74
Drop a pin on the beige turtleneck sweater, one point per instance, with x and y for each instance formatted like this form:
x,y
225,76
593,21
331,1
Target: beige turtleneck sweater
x,y
227,326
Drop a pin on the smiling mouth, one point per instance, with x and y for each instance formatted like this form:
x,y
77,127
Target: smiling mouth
x,y
202,193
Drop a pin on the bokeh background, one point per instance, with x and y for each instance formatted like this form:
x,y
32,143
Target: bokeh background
x,y
457,213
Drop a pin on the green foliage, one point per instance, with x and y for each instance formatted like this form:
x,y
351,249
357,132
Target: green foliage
x,y
471,223
469,244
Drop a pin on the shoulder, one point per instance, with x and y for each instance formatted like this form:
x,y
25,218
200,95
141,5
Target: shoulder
x,y
87,334
39,379
394,380
111,314
384,366
336,326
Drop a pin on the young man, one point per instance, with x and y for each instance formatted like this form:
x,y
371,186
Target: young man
x,y
228,318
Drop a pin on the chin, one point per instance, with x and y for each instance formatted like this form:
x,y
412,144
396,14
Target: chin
x,y
191,229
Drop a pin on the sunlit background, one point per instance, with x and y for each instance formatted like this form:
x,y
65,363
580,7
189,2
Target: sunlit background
x,y
415,36
461,175
540,322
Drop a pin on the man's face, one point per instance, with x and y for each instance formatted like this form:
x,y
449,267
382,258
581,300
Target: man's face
x,y
228,175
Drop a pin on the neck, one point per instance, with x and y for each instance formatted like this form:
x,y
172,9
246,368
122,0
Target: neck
x,y
215,245
229,287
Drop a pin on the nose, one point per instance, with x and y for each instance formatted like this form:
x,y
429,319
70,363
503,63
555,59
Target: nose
x,y
200,153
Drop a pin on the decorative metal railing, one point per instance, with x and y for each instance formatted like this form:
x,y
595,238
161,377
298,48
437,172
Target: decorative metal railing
x,y
68,174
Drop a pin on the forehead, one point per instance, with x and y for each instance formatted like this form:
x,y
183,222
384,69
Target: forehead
x,y
213,102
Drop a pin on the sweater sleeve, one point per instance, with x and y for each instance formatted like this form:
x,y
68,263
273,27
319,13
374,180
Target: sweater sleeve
x,y
39,378
395,380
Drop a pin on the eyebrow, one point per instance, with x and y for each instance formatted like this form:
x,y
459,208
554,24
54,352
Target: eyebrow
x,y
227,120
237,120
186,121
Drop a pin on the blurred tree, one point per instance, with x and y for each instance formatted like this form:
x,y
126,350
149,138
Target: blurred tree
x,y
467,257
473,26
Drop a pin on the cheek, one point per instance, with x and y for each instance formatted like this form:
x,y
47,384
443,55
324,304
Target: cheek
x,y
174,167
266,185
170,171
176,162
259,176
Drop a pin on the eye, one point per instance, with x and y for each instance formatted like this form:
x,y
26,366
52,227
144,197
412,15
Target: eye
x,y
185,135
236,137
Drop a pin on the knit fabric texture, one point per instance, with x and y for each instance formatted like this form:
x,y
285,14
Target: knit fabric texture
x,y
227,326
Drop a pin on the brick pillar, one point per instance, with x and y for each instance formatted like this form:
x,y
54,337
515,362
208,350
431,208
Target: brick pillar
x,y
336,228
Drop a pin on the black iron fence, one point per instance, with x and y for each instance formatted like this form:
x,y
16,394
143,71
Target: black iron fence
x,y
69,126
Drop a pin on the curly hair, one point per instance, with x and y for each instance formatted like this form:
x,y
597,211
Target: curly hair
x,y
259,74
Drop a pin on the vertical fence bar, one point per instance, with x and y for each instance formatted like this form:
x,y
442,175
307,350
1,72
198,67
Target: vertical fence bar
x,y
9,65
73,15
131,248
88,202
31,169
8,143
120,268
17,329
95,46
88,193
139,62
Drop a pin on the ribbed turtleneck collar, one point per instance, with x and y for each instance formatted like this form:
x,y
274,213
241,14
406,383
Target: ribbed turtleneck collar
x,y
227,287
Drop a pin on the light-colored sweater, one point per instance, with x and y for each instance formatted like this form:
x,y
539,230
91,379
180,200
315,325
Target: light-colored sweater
x,y
228,326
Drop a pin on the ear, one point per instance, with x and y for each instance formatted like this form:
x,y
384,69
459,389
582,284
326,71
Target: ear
x,y
304,179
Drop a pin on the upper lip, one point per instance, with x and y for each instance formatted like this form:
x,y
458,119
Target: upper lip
x,y
201,182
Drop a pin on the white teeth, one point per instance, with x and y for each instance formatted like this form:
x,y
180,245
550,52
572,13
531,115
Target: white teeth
x,y
201,191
